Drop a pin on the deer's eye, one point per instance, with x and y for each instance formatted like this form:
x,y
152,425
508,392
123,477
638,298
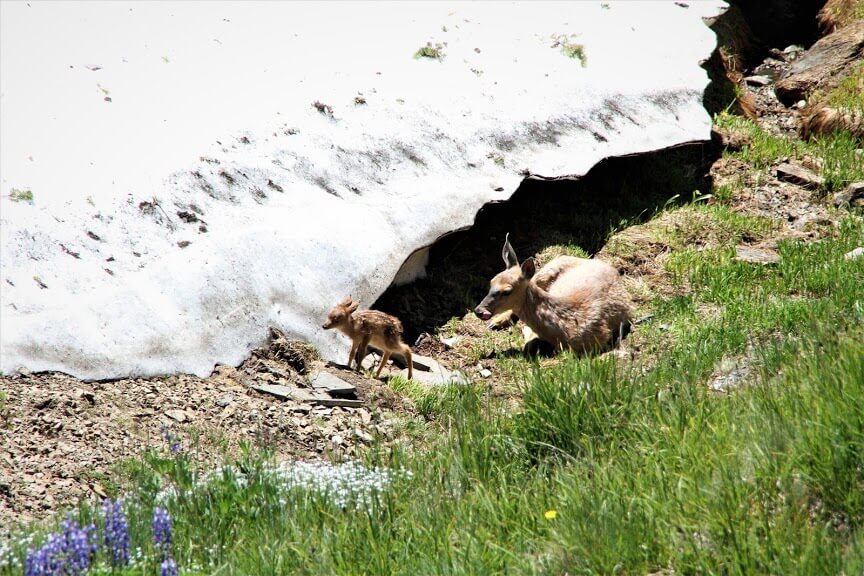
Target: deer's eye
x,y
505,291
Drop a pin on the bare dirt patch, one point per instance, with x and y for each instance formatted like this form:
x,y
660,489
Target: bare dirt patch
x,y
63,437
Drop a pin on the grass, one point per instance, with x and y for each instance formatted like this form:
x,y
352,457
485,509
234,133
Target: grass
x,y
18,195
850,92
571,49
646,468
839,164
608,465
435,52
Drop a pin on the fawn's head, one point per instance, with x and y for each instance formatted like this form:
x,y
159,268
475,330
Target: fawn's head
x,y
507,288
340,313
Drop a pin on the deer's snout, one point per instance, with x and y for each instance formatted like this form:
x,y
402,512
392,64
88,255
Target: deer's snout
x,y
482,312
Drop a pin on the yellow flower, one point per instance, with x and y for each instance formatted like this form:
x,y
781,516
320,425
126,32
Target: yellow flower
x,y
550,514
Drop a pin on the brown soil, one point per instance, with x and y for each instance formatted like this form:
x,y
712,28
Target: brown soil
x,y
63,437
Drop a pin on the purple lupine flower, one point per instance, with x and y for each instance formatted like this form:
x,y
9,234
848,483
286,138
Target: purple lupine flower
x,y
46,561
67,553
172,440
76,546
162,532
168,567
116,534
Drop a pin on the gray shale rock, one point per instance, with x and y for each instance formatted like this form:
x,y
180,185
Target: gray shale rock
x,y
798,175
824,64
852,194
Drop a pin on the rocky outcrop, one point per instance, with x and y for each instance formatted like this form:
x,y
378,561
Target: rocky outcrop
x,y
824,65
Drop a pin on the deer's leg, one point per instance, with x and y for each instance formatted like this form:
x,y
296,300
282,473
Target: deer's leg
x,y
354,343
384,360
406,352
501,320
534,346
361,351
532,341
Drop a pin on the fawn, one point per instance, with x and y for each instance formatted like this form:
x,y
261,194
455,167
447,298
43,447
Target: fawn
x,y
369,327
571,302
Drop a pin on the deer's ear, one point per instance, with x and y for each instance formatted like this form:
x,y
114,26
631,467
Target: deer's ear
x,y
352,307
346,301
508,254
529,267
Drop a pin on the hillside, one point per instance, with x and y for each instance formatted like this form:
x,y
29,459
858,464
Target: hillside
x,y
724,435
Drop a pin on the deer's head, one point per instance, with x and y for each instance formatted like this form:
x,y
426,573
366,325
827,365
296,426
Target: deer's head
x,y
507,289
340,314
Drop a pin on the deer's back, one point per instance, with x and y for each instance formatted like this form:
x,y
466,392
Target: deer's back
x,y
588,302
567,275
385,331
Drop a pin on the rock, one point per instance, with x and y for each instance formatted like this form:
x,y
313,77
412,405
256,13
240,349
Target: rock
x,y
729,378
432,366
343,402
332,384
756,255
850,194
228,411
792,52
758,80
450,342
824,65
304,395
485,373
370,362
363,436
82,394
225,400
365,416
177,415
856,253
798,175
423,363
440,377
46,403
301,408
284,392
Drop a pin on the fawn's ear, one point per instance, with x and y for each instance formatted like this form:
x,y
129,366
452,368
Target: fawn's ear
x,y
508,254
346,301
529,267
353,306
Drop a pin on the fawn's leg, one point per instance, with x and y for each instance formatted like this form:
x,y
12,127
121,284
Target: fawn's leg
x,y
353,351
406,352
361,351
384,360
